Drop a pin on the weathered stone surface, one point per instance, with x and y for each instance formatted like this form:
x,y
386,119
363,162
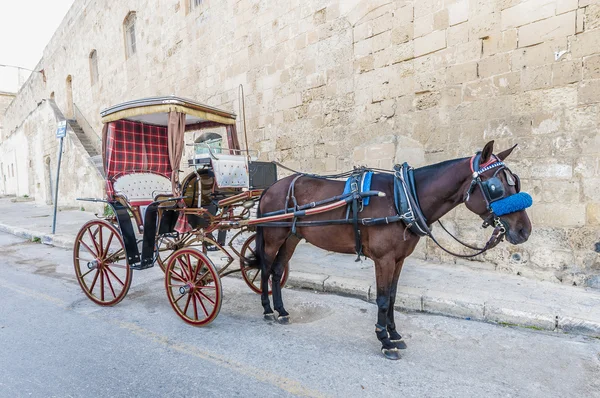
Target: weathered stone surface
x,y
560,26
432,42
527,12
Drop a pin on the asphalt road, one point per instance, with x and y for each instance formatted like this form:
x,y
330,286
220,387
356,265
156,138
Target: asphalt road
x,y
54,342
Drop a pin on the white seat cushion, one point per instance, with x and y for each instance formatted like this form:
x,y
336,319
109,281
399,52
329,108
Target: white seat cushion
x,y
141,187
231,171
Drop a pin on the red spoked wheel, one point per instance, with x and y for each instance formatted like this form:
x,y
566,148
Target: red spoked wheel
x,y
101,263
251,275
193,287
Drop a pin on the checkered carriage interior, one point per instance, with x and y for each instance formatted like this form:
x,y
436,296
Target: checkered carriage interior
x,y
137,164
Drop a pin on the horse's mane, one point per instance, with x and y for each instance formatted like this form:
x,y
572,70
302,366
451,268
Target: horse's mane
x,y
437,167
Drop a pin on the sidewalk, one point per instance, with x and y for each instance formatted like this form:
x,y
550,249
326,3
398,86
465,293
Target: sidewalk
x,y
452,290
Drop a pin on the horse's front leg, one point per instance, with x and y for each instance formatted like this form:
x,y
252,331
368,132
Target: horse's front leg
x,y
395,337
384,274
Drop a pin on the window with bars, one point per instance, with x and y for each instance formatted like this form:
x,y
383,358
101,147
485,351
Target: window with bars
x,y
129,25
93,67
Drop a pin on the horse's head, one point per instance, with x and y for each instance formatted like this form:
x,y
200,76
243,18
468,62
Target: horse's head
x,y
494,193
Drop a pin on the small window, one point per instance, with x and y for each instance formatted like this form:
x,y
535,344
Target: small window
x,y
129,25
93,67
195,4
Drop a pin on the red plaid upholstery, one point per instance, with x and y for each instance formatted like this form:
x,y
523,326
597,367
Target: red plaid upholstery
x,y
134,147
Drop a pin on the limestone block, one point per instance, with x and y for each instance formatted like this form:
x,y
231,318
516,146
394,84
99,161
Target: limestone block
x,y
426,100
458,12
402,33
554,191
559,26
585,3
478,89
427,7
440,19
484,25
536,78
423,25
589,92
458,34
557,215
593,213
508,83
461,73
451,96
432,42
590,189
591,67
430,81
566,72
545,257
563,6
585,44
469,51
527,12
551,168
494,65
592,16
542,54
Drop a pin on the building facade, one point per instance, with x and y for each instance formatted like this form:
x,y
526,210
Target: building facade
x,y
332,84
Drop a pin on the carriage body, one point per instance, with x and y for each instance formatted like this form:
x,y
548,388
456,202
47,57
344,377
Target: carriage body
x,y
157,218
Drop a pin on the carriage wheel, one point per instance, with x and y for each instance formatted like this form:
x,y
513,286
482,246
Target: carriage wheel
x,y
251,275
165,247
193,287
101,263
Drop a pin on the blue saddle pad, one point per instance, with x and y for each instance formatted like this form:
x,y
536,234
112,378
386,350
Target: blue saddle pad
x,y
365,185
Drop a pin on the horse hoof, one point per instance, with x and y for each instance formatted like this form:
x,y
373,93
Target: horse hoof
x,y
269,317
392,354
400,344
284,320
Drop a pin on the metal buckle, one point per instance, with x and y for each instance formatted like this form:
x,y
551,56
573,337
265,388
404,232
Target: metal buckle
x,y
364,221
354,186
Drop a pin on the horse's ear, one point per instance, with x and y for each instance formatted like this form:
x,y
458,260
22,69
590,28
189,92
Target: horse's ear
x,y
504,154
488,149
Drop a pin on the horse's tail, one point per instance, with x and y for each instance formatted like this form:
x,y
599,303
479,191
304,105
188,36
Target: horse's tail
x,y
257,259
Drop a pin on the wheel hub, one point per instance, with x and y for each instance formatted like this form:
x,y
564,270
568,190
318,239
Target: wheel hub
x,y
93,264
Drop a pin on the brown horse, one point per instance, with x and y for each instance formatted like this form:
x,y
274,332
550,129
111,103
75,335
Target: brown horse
x,y
439,188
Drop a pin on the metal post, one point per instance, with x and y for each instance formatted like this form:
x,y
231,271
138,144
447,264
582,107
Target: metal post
x,y
60,150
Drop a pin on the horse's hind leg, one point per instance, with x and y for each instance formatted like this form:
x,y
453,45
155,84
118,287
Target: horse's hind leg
x,y
283,257
391,324
268,256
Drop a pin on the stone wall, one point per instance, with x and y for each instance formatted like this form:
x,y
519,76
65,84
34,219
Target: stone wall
x,y
332,84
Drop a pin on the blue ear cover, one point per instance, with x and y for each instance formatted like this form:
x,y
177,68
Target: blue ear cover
x,y
513,203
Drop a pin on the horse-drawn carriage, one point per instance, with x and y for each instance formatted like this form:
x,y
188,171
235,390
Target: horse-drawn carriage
x,y
143,145
154,218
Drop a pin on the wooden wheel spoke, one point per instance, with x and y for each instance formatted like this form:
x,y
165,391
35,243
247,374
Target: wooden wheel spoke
x,y
94,241
101,285
122,266
108,243
195,306
176,286
189,265
115,255
252,250
206,297
112,290
177,276
94,281
115,275
88,249
84,275
100,243
183,270
255,276
196,270
187,304
202,304
178,298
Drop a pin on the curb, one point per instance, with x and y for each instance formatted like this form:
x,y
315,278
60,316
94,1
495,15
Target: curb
x,y
58,240
408,299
